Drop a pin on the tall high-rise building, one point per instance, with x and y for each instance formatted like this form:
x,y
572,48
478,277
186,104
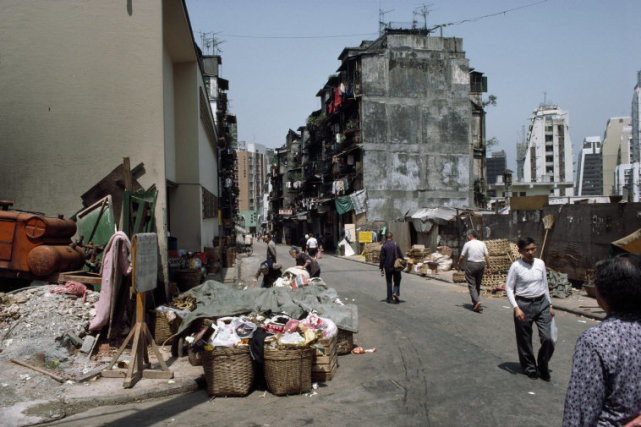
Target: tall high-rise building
x,y
636,121
615,149
252,170
548,154
589,178
496,165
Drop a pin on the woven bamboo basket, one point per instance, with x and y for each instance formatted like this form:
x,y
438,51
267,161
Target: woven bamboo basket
x,y
497,246
289,371
344,342
188,279
493,280
228,371
163,328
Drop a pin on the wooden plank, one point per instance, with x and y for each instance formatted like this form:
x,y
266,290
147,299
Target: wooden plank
x,y
154,374
80,276
113,373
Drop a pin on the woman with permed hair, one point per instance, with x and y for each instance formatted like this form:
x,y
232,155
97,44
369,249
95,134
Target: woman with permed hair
x,y
605,383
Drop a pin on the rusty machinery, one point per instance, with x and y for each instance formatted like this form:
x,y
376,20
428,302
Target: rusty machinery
x,y
35,246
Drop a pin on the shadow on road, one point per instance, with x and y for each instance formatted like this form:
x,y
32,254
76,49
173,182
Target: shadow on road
x,y
513,368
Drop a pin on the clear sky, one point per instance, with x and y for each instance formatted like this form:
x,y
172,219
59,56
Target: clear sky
x,y
582,55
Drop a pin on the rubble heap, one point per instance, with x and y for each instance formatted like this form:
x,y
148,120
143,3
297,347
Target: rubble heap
x,y
35,323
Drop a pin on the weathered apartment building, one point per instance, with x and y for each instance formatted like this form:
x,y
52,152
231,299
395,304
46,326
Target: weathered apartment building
x,y
401,127
83,87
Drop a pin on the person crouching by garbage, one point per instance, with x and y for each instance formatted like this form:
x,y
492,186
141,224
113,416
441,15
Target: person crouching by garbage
x,y
270,271
305,261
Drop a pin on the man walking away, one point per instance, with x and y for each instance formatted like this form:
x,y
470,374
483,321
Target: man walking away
x,y
312,246
271,248
527,290
474,252
389,252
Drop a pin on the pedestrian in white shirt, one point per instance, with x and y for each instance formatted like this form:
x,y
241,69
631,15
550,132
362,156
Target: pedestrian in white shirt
x,y
527,290
477,258
312,246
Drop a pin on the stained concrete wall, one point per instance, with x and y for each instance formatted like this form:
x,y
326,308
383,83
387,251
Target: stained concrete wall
x,y
416,118
581,234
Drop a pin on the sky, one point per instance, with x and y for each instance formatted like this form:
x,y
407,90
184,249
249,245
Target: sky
x,y
582,55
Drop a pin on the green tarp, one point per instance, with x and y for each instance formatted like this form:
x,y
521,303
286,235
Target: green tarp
x,y
216,299
344,204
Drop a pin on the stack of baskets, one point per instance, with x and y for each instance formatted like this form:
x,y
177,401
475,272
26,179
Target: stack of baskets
x,y
289,371
228,371
501,258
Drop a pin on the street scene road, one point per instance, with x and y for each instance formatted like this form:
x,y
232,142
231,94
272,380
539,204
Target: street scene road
x,y
436,363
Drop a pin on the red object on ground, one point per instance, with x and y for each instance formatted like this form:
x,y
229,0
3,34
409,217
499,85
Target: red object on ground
x,y
71,287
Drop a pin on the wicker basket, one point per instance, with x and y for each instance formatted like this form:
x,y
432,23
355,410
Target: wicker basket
x,y
289,371
344,342
188,279
163,328
195,358
228,371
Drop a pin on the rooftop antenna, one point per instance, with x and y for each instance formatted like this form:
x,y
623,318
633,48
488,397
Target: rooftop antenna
x,y
381,23
209,44
422,11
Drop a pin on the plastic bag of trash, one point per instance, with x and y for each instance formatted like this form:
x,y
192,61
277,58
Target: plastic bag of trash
x,y
316,322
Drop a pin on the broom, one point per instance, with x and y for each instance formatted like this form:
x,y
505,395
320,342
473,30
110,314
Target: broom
x,y
548,222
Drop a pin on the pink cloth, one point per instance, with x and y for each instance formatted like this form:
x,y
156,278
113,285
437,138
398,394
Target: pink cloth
x,y
70,287
112,253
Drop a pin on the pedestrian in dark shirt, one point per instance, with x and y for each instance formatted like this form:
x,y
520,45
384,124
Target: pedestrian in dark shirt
x,y
605,383
305,261
389,252
270,271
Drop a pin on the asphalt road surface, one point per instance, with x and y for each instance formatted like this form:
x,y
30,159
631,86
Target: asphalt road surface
x,y
437,363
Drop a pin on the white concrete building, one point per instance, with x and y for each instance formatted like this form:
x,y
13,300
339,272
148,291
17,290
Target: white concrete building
x,y
589,177
548,154
85,84
627,181
615,149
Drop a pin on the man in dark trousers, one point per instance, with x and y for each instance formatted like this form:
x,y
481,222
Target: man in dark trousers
x,y
527,290
477,258
271,248
389,252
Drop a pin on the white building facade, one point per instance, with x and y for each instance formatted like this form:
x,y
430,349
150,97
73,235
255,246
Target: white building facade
x,y
548,156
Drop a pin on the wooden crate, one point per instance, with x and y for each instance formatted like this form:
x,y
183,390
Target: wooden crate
x,y
324,363
344,342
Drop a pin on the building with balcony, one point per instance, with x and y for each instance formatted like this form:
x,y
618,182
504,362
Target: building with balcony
x,y
401,126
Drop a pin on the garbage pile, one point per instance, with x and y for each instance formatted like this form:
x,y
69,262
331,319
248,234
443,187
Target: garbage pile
x,y
422,260
283,352
52,326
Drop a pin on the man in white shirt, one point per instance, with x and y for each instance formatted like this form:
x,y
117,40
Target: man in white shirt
x,y
477,257
312,246
527,290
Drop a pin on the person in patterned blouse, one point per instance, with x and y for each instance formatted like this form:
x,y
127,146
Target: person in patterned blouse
x,y
605,383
